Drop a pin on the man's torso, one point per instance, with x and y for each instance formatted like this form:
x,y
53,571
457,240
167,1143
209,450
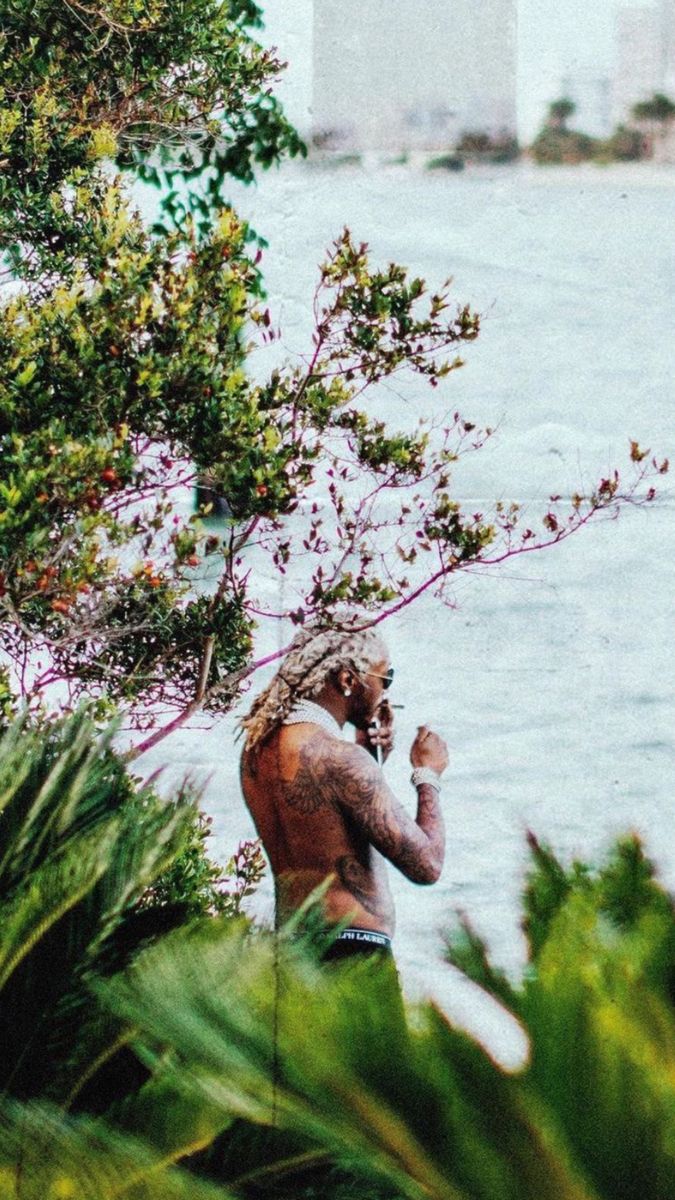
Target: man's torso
x,y
294,787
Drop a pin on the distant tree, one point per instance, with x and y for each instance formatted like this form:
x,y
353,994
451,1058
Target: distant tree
x,y
559,112
660,108
657,114
555,146
486,147
624,145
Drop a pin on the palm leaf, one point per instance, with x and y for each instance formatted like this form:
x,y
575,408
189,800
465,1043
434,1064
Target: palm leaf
x,y
603,1039
330,1057
80,845
45,1154
61,783
50,892
467,951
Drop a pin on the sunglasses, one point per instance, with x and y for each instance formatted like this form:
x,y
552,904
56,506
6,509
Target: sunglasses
x,y
387,679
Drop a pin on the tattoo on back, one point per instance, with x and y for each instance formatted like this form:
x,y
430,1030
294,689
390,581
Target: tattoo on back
x,y
325,778
358,880
333,775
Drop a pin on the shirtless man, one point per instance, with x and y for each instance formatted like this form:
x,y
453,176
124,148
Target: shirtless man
x,y
321,805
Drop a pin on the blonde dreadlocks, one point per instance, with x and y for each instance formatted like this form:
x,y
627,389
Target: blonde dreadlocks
x,y
313,656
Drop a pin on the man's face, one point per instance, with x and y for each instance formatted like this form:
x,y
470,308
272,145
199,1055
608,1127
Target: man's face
x,y
367,694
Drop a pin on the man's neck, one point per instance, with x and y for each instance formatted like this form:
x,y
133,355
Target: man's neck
x,y
330,699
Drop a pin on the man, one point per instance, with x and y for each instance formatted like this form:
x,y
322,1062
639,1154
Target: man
x,y
321,804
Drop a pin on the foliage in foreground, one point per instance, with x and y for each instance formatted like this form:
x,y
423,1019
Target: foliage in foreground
x,y
213,1059
92,866
419,1107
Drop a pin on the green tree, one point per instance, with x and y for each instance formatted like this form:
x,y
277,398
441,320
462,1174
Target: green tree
x,y
657,114
559,112
556,143
659,108
128,371
624,145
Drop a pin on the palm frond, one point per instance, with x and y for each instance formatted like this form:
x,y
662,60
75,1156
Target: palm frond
x,y
466,950
330,1057
46,1154
50,892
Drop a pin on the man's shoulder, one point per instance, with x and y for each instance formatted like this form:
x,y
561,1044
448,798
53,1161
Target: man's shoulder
x,y
316,750
323,746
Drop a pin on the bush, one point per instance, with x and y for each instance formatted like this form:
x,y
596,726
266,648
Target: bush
x,y
625,145
92,866
488,148
446,162
557,146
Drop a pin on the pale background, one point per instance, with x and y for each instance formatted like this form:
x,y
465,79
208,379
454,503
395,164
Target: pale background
x,y
553,680
555,38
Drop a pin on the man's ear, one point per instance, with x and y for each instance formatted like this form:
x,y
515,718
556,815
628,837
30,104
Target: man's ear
x,y
345,679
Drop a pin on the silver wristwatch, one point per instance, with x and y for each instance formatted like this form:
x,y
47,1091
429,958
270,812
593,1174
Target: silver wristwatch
x,y
426,775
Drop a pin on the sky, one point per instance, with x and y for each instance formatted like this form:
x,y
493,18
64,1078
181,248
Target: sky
x,y
555,37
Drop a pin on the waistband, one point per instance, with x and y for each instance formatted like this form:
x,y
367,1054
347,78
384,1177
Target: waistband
x,y
368,937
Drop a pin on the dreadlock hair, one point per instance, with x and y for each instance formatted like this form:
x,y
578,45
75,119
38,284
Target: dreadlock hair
x,y
314,654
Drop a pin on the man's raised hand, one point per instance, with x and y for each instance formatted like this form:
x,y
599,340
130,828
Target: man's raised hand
x,y
429,750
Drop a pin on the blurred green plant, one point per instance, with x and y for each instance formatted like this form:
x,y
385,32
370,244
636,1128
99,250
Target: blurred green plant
x,y
93,864
414,1107
141,1052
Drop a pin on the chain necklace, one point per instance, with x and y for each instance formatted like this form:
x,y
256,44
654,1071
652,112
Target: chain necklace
x,y
306,711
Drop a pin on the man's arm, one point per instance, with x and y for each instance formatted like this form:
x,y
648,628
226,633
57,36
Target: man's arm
x,y
347,777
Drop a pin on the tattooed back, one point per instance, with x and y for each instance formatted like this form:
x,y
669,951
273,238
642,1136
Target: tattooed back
x,y
322,808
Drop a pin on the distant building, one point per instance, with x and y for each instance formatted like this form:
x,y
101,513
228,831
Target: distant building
x,y
402,75
640,59
667,32
592,98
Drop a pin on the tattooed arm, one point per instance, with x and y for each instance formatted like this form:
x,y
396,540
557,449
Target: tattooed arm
x,y
346,777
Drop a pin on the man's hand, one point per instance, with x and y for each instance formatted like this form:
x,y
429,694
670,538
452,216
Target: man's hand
x,y
429,750
381,735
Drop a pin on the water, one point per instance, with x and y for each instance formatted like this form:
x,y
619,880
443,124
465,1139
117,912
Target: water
x,y
552,679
